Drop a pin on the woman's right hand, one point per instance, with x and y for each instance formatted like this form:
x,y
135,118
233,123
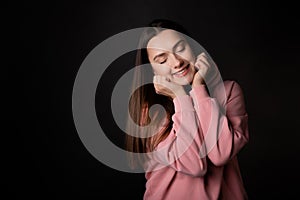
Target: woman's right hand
x,y
164,86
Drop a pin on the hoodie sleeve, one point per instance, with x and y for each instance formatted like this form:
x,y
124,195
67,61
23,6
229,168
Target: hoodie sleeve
x,y
225,134
180,150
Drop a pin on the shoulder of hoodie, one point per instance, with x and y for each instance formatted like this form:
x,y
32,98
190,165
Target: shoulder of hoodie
x,y
232,88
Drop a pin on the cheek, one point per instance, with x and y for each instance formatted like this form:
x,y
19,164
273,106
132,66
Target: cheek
x,y
161,70
189,56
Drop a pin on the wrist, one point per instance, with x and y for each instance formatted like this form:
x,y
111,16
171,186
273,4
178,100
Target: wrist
x,y
198,83
178,93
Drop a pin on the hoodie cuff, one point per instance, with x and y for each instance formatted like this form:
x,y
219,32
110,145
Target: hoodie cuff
x,y
199,92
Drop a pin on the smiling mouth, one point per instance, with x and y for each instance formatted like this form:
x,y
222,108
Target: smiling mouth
x,y
182,72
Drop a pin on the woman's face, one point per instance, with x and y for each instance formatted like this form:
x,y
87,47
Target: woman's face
x,y
170,55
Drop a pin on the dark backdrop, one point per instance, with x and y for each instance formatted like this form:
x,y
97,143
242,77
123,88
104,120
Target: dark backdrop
x,y
256,44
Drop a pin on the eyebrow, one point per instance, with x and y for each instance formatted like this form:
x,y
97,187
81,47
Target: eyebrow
x,y
174,47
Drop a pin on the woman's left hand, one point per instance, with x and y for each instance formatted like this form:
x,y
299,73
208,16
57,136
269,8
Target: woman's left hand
x,y
202,66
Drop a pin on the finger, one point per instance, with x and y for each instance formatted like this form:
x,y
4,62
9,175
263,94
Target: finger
x,y
156,84
169,78
201,65
202,57
203,71
159,83
156,88
162,80
203,54
156,79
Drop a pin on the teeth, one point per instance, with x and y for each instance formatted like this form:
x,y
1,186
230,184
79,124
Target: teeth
x,y
182,71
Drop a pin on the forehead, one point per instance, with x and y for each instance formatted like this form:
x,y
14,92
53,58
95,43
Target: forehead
x,y
165,40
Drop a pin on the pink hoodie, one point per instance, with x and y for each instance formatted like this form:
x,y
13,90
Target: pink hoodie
x,y
187,168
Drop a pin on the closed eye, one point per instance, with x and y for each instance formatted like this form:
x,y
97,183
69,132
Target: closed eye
x,y
162,62
180,47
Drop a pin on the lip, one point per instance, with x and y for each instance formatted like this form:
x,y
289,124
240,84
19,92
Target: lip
x,y
182,72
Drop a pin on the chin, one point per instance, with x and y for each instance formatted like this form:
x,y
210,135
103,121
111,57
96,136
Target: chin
x,y
188,79
185,81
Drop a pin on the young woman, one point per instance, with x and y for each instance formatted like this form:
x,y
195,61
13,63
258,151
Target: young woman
x,y
189,150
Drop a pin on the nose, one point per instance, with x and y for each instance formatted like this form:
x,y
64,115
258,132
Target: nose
x,y
175,61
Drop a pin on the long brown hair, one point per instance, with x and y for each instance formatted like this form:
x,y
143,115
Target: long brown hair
x,y
144,97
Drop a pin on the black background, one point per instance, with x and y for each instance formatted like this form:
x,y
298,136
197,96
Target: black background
x,y
254,43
